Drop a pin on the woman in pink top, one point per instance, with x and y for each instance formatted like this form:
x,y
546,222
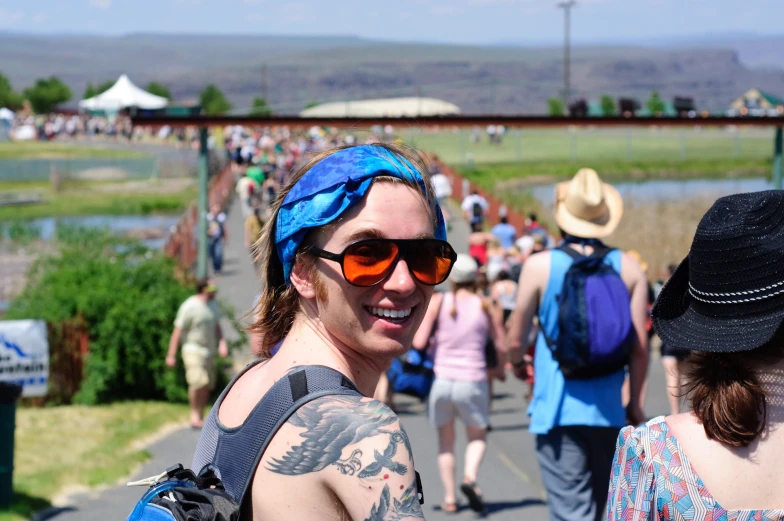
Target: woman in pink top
x,y
460,324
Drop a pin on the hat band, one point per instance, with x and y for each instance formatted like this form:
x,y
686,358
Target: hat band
x,y
696,294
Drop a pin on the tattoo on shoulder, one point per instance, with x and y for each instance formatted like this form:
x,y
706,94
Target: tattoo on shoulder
x,y
332,426
397,509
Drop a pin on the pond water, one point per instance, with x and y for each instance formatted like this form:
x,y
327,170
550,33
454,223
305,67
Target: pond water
x,y
660,217
153,229
669,190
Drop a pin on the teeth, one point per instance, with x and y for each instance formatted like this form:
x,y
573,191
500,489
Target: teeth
x,y
391,313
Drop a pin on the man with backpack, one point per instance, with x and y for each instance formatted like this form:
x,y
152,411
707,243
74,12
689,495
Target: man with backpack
x,y
591,302
475,207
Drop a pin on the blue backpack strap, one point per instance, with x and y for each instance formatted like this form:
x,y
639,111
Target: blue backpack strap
x,y
240,449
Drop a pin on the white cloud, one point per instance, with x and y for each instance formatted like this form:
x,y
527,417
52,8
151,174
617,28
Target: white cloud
x,y
294,12
40,17
101,4
493,2
253,18
9,18
443,10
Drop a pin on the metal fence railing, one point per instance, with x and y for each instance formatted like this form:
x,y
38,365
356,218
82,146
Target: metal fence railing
x,y
19,170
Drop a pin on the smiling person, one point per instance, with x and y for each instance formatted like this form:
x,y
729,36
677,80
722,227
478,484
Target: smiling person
x,y
352,253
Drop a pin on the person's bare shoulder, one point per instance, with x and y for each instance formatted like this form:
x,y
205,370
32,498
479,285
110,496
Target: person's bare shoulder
x,y
631,271
537,265
348,448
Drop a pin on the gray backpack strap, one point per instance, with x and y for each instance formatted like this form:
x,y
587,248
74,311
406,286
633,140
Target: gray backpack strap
x,y
240,449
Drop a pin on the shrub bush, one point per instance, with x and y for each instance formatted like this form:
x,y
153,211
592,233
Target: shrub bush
x,y
128,295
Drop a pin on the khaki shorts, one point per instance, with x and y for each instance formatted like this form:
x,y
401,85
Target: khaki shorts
x,y
469,401
199,369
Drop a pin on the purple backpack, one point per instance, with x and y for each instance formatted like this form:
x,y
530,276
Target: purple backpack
x,y
595,331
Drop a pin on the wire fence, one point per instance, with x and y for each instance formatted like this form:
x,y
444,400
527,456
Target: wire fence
x,y
472,146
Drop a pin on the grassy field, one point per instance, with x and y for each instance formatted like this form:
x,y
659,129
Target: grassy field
x,y
78,198
51,150
491,175
581,146
94,446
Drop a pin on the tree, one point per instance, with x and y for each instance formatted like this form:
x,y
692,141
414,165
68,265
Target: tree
x,y
213,102
555,107
8,98
655,104
260,107
159,89
104,86
608,105
93,90
47,93
89,91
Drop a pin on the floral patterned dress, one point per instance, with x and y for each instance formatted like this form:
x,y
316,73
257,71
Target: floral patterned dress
x,y
653,480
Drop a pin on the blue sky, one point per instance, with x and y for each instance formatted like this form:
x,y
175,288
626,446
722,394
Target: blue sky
x,y
454,21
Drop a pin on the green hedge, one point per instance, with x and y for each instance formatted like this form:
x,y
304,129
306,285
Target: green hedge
x,y
128,295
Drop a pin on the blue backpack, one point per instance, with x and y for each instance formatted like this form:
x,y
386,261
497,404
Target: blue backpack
x,y
595,330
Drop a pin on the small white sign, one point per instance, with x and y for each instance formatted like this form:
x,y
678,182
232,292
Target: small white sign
x,y
24,355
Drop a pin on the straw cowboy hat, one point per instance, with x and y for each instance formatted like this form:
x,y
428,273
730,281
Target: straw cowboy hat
x,y
585,207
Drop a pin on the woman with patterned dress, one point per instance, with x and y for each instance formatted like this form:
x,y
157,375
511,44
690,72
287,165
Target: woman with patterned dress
x,y
723,460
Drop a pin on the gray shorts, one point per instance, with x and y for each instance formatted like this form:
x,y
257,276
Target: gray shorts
x,y
468,400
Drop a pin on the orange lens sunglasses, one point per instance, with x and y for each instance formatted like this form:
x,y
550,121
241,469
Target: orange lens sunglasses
x,y
368,262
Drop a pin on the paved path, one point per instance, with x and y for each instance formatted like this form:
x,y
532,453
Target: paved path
x,y
509,476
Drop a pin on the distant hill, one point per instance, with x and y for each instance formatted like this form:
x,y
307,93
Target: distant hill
x,y
479,79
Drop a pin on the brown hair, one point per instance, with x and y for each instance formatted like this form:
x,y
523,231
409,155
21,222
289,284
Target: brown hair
x,y
726,394
470,286
279,304
201,284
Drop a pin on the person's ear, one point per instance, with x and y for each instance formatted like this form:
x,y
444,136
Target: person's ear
x,y
302,279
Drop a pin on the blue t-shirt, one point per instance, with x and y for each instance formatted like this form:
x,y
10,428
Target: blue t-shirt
x,y
506,234
560,402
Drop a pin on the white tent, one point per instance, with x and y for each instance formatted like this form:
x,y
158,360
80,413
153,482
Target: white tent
x,y
121,95
391,107
6,114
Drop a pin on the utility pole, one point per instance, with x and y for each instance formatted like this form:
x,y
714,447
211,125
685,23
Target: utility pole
x,y
264,82
201,259
567,7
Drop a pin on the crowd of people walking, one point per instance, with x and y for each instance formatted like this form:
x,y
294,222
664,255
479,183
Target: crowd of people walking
x,y
565,312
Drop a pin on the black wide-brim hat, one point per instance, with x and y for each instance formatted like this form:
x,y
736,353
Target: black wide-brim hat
x,y
728,294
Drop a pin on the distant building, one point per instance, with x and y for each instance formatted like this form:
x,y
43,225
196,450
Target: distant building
x,y
756,103
391,107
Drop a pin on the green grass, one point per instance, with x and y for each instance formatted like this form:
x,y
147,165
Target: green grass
x,y
489,175
49,150
78,201
74,445
589,145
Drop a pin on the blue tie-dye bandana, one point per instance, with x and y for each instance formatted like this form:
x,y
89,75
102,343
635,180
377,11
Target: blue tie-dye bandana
x,y
332,186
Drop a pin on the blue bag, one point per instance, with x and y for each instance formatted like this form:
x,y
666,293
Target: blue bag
x,y
179,495
595,330
413,376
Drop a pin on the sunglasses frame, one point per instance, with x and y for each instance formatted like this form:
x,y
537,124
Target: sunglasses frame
x,y
403,245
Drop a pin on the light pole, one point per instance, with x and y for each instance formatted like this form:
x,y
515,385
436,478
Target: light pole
x,y
567,7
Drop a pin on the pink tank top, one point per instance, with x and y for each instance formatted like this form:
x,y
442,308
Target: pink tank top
x,y
460,341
